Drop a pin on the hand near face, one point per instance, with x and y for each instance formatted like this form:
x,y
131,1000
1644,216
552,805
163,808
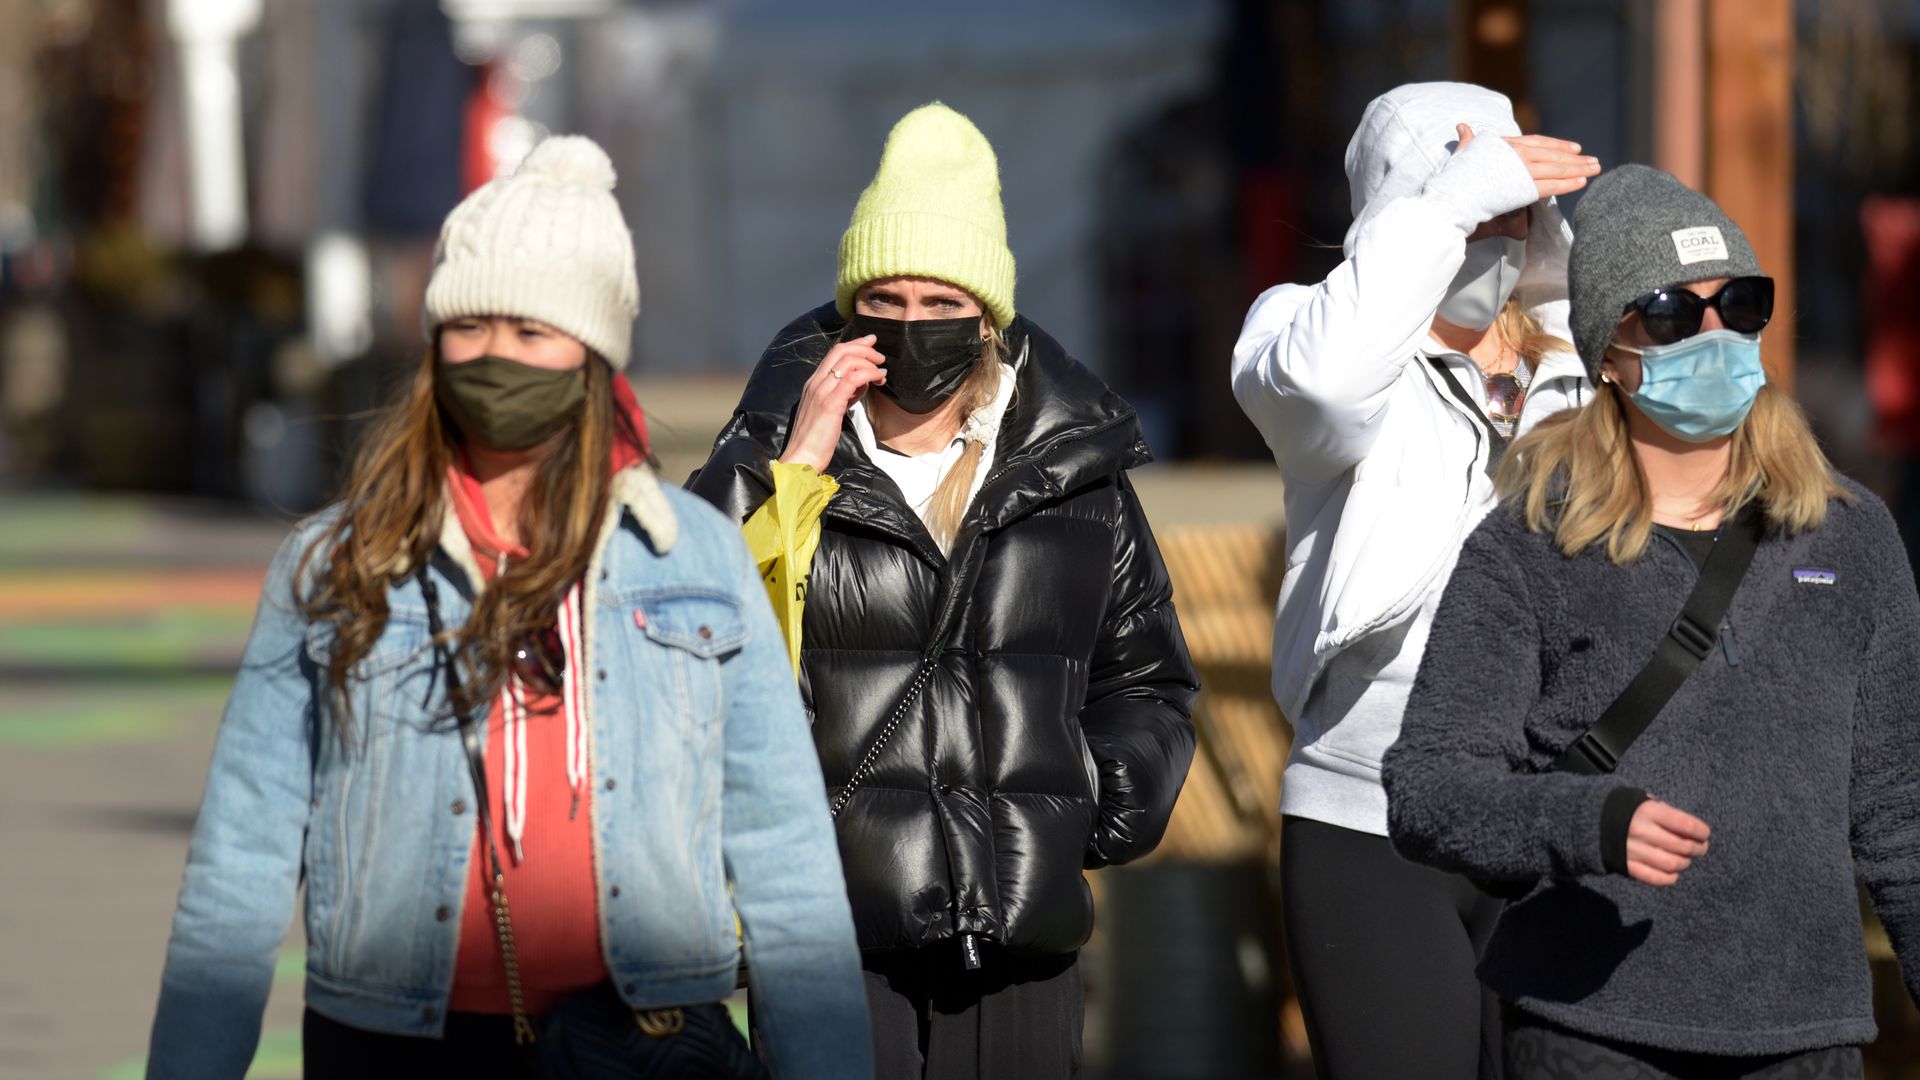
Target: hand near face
x,y
843,375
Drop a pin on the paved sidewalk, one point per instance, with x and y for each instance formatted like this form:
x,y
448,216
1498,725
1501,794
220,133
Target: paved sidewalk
x,y
121,621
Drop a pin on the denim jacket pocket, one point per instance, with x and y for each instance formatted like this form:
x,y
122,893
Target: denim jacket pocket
x,y
403,638
685,635
708,625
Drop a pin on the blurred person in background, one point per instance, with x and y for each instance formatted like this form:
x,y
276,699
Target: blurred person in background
x,y
1692,909
1387,394
999,687
508,623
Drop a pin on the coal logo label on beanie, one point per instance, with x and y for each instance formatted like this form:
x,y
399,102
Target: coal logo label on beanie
x,y
1700,244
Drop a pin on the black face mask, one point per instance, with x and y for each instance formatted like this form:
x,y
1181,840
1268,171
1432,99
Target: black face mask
x,y
927,359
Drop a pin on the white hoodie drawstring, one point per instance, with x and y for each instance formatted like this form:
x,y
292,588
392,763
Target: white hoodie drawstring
x,y
513,707
574,655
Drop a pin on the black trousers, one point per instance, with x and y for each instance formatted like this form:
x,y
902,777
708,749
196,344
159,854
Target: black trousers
x,y
1016,1018
1383,953
476,1046
1539,1050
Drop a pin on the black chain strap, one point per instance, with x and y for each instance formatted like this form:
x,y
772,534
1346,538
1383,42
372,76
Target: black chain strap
x,y
476,765
865,769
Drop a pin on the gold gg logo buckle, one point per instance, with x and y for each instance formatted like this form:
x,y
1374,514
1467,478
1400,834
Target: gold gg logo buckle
x,y
660,1023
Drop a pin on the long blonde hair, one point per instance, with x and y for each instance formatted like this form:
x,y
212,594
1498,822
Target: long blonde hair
x,y
950,499
1576,474
390,523
1526,334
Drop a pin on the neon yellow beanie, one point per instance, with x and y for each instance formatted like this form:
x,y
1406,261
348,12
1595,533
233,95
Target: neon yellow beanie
x,y
933,210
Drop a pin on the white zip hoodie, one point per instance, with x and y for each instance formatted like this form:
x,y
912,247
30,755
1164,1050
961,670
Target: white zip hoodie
x,y
1385,468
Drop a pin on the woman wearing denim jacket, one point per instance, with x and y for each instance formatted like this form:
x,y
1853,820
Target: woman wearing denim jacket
x,y
505,553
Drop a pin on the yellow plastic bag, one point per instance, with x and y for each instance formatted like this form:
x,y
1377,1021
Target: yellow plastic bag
x,y
782,536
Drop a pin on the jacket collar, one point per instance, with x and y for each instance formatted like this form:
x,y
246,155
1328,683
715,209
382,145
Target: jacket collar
x,y
634,490
1064,429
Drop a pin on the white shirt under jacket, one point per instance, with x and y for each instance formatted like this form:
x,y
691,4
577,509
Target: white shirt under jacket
x,y
1385,468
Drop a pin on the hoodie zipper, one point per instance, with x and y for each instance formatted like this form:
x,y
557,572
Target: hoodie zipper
x,y
1400,605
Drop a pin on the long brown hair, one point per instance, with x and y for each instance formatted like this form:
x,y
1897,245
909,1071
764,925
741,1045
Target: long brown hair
x,y
392,511
1576,474
950,499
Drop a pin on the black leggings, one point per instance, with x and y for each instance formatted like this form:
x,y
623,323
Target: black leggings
x,y
1383,953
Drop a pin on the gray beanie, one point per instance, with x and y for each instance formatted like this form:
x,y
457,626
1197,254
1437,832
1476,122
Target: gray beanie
x,y
1638,229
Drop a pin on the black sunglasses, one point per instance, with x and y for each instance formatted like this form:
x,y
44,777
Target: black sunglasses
x,y
1670,314
540,659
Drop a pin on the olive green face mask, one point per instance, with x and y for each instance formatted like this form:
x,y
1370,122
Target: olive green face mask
x,y
507,405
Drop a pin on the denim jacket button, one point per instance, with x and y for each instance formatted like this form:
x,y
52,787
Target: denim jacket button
x,y
615,891
601,674
442,913
610,784
459,807
706,633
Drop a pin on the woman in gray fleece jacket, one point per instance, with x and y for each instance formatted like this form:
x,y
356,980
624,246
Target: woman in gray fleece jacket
x,y
1693,912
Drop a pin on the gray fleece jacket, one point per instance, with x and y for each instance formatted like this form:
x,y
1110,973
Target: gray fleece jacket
x,y
1798,742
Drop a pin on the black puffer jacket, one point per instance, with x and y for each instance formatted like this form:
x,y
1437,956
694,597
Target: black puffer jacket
x,y
1054,732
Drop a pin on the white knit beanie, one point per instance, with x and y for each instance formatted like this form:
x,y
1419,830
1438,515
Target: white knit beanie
x,y
545,243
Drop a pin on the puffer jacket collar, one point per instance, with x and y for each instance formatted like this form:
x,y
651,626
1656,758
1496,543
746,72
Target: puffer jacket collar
x,y
1064,429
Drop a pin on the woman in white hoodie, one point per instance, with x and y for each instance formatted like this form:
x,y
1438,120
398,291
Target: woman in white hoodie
x,y
1387,394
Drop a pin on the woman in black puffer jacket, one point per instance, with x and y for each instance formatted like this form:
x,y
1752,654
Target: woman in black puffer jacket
x,y
986,547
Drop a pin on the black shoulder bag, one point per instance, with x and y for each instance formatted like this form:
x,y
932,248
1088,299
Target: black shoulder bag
x,y
1691,639
592,1034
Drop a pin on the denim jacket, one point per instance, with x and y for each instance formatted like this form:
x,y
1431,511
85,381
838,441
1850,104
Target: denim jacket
x,y
693,708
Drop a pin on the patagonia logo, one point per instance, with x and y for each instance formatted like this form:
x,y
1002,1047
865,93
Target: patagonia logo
x,y
1700,244
1813,576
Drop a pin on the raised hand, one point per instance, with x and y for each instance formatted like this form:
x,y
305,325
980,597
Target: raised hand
x,y
1556,165
844,374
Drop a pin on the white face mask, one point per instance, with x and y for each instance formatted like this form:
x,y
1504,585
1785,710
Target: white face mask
x,y
1484,282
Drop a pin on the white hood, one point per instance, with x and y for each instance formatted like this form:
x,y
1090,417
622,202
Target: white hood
x,y
1407,134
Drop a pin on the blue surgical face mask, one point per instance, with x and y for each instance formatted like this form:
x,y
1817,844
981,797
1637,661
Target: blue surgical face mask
x,y
1702,387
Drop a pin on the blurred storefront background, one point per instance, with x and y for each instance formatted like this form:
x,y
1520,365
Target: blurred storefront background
x,y
217,217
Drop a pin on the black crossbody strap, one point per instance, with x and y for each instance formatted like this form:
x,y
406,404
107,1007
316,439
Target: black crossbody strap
x,y
523,1033
922,672
1686,643
469,731
1496,442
